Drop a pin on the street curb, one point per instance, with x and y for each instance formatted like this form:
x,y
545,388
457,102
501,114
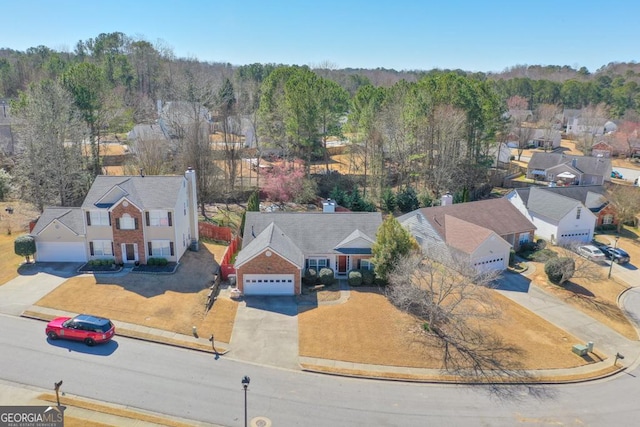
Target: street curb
x,y
128,334
371,377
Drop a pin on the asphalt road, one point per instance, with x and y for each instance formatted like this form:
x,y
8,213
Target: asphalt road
x,y
195,386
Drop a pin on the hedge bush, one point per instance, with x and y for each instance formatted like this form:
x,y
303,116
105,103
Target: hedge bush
x,y
326,276
354,278
559,269
310,276
157,261
368,277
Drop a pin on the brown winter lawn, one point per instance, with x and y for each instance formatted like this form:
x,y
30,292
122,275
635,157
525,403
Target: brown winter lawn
x,y
173,302
368,329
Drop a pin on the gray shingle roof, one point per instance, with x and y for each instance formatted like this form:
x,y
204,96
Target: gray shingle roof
x,y
313,232
584,164
584,194
69,217
273,238
549,203
149,192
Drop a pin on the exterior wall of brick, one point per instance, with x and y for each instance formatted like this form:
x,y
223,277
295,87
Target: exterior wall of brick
x,y
607,210
273,264
128,236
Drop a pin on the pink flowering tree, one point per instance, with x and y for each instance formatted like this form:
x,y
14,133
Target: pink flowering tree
x,y
283,183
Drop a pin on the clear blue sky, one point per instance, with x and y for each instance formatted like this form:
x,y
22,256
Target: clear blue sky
x,y
471,35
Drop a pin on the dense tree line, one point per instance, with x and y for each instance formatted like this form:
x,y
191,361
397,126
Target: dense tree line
x,y
424,132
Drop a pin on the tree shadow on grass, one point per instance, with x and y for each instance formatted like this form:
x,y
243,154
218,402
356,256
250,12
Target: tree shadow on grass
x,y
577,290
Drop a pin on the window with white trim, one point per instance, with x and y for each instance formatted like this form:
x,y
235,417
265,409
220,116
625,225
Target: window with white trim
x,y
159,218
161,248
127,222
366,264
98,218
317,263
101,248
607,219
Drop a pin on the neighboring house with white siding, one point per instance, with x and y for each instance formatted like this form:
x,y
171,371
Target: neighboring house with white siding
x,y
560,215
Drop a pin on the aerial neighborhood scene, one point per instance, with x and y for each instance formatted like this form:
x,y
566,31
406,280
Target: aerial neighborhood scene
x,y
242,232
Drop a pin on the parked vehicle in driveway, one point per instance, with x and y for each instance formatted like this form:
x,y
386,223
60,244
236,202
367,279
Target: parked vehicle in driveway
x,y
617,255
89,329
591,253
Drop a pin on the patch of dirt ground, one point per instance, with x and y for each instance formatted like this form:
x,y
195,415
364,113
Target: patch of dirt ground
x,y
174,302
369,329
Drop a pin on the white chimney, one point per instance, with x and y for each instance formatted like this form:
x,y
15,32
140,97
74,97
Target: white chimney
x,y
329,206
446,199
192,211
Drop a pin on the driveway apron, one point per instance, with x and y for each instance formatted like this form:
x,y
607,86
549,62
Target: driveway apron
x,y
35,282
265,331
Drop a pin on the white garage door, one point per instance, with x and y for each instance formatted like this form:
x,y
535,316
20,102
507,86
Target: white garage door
x,y
575,236
268,284
60,252
491,263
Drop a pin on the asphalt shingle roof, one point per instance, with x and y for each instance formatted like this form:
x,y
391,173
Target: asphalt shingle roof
x,y
549,203
69,217
313,232
497,215
583,164
148,192
273,238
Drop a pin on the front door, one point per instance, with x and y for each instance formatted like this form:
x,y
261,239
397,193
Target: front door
x,y
130,252
343,262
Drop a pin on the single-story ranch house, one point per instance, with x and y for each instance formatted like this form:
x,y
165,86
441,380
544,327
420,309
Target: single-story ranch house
x,y
278,247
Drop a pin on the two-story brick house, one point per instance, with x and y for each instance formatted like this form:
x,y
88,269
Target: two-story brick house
x,y
127,218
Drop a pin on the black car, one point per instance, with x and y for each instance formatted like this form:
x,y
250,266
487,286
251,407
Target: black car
x,y
617,255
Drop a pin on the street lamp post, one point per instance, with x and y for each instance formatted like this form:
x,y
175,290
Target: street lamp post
x,y
615,245
245,384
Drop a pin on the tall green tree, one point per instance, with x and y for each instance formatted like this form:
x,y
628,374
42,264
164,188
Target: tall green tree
x,y
86,83
393,242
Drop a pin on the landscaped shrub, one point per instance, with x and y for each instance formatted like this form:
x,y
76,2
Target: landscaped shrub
x,y
543,255
157,261
354,278
326,276
512,257
367,277
310,276
559,269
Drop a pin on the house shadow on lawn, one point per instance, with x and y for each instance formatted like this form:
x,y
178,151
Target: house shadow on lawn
x,y
514,282
196,272
286,305
59,269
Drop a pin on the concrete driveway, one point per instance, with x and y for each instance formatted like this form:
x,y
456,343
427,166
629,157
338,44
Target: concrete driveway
x,y
266,331
35,281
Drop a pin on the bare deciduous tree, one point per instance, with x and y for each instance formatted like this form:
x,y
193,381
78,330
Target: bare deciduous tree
x,y
454,301
626,201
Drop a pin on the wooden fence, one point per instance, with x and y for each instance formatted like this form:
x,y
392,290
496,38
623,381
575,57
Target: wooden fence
x,y
215,232
226,266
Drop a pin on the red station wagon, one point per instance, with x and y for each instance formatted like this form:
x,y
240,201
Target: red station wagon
x,y
89,329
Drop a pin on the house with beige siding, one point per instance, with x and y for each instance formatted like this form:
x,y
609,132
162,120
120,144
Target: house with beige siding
x,y
126,218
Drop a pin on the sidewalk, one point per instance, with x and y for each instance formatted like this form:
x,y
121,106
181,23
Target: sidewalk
x,y
18,296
